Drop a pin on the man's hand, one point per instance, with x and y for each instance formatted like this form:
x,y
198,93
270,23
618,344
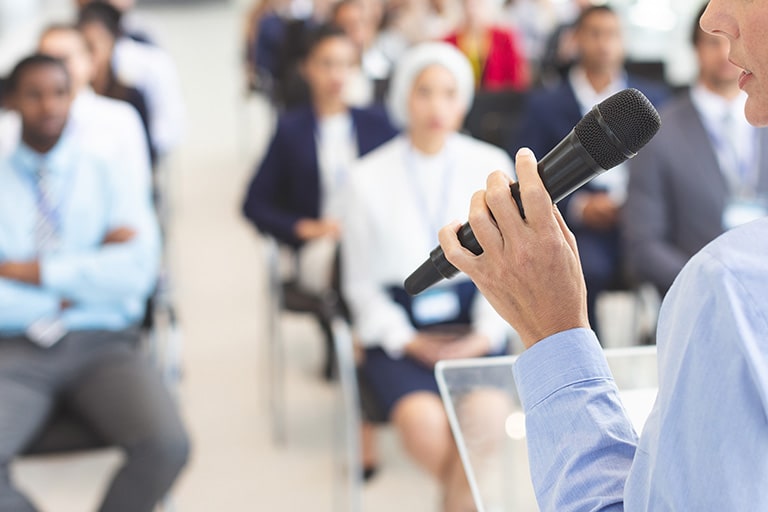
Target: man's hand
x,y
24,272
119,235
429,348
600,212
309,229
529,270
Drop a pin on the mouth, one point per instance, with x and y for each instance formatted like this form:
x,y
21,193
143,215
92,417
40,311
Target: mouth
x,y
744,78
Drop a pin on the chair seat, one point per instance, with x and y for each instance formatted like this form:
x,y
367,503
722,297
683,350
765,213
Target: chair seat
x,y
65,432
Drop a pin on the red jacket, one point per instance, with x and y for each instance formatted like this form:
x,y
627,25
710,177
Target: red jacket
x,y
505,65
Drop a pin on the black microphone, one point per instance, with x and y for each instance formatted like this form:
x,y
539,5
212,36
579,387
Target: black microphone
x,y
612,132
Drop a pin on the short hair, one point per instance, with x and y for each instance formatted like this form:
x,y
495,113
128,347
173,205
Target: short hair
x,y
104,14
319,35
696,30
593,9
33,61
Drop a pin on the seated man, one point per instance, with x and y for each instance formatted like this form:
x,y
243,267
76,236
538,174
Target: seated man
x,y
79,251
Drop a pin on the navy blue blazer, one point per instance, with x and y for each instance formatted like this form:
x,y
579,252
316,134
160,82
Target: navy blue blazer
x,y
548,117
286,186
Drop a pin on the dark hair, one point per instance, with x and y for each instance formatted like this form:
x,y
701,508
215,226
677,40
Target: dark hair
x,y
593,9
104,14
33,61
696,30
319,35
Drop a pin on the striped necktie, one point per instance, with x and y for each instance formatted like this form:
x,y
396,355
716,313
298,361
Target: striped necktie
x,y
47,236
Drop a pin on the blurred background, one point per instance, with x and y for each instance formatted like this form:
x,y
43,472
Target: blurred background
x,y
217,273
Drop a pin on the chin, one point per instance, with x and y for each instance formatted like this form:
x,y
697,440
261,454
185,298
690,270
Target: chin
x,y
756,110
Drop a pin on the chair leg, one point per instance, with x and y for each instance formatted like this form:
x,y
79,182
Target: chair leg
x,y
329,363
275,351
350,475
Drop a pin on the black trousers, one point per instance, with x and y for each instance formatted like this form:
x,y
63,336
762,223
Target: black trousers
x,y
103,378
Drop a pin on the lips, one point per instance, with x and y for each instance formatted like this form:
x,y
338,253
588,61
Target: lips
x,y
744,78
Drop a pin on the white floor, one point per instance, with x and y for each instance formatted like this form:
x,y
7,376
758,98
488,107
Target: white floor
x,y
220,284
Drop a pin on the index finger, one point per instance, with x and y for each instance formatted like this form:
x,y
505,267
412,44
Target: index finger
x,y
537,202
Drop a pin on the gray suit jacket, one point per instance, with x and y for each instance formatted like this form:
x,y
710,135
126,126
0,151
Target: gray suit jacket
x,y
677,195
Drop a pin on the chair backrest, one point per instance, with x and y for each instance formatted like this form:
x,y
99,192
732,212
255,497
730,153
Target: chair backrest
x,y
495,116
488,422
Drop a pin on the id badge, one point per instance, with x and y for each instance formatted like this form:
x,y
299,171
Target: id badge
x,y
436,306
46,332
739,211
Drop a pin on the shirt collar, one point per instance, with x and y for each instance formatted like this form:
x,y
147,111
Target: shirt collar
x,y
27,160
714,107
586,95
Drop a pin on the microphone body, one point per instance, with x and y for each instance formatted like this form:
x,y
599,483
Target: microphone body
x,y
564,169
609,134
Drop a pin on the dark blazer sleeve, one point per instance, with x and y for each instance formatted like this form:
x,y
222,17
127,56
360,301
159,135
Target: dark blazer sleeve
x,y
269,183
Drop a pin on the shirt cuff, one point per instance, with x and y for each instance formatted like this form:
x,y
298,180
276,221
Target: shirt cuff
x,y
557,362
394,343
57,273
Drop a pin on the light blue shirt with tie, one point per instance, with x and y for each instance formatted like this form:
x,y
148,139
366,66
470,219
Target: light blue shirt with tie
x,y
107,285
705,444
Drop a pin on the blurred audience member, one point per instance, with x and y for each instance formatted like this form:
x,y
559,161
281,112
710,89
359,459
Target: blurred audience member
x,y
399,196
377,56
131,25
295,194
593,211
264,36
101,31
79,248
150,70
705,172
495,53
561,50
105,126
534,20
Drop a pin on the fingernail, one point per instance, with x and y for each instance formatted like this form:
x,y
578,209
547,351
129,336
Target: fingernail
x,y
524,152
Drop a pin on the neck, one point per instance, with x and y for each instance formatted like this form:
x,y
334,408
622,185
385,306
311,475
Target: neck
x,y
427,144
40,145
728,90
330,107
599,79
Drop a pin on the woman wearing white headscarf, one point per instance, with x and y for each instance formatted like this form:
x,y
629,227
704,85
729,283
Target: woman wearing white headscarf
x,y
399,196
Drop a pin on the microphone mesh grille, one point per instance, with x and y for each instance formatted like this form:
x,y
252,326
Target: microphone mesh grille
x,y
631,117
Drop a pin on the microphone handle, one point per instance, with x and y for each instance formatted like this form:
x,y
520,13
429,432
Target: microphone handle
x,y
564,169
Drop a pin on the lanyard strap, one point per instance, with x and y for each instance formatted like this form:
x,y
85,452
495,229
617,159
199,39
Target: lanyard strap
x,y
742,174
433,221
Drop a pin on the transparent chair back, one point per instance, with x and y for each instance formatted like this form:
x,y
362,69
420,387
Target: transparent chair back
x,y
488,423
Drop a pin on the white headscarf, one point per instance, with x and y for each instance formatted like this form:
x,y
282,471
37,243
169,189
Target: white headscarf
x,y
410,66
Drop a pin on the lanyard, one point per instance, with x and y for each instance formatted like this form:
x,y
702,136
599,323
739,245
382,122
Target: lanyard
x,y
742,174
434,221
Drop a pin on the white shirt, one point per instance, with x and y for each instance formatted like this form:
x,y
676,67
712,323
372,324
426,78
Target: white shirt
x,y
387,235
616,181
336,152
737,152
108,128
150,70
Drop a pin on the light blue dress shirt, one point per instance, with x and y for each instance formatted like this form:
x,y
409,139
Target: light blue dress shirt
x,y
705,444
107,285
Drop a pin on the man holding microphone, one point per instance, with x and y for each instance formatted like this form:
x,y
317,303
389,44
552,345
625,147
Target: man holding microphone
x,y
705,445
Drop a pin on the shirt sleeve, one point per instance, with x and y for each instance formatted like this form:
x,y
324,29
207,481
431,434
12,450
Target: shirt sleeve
x,y
378,319
21,305
580,442
116,271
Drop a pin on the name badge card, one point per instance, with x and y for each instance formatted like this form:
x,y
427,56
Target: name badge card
x,y
436,306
